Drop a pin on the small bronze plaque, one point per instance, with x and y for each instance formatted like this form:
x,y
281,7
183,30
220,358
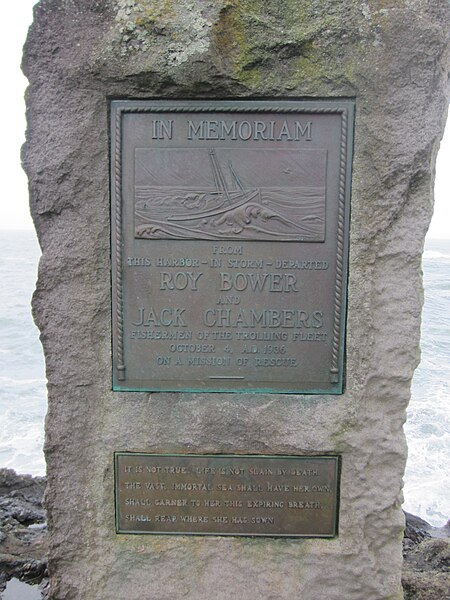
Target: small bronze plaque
x,y
230,243
286,496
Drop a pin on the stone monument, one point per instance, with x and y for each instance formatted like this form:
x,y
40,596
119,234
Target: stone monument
x,y
231,198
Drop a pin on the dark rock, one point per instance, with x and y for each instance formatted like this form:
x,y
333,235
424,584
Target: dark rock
x,y
416,530
44,588
23,529
425,586
426,566
21,486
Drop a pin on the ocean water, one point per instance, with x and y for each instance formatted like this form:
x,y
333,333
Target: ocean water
x,y
23,392
22,381
427,477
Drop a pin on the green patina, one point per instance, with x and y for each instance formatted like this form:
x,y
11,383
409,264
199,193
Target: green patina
x,y
235,46
279,44
151,12
266,45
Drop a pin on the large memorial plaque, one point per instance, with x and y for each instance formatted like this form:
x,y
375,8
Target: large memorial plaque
x,y
229,244
289,496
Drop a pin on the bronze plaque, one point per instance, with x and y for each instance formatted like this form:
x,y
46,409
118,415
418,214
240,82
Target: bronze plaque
x,y
191,494
229,244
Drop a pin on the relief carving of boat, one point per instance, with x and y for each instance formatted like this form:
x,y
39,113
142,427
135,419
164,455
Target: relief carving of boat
x,y
281,195
226,200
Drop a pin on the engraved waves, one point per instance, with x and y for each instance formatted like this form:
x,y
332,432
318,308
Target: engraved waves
x,y
218,204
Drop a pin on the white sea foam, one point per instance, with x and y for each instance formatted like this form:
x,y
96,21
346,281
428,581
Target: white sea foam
x,y
433,255
22,381
427,477
21,440
8,381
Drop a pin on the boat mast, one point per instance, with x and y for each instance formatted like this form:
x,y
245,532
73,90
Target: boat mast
x,y
236,178
218,175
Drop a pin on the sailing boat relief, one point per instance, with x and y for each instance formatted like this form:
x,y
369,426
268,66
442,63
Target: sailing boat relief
x,y
273,194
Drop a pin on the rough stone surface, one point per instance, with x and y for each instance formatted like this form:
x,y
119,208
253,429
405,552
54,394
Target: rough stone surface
x,y
23,543
393,58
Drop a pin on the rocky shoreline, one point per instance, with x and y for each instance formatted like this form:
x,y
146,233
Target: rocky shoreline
x,y
24,543
426,560
23,530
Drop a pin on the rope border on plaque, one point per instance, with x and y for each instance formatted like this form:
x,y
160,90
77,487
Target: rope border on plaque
x,y
120,365
335,356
